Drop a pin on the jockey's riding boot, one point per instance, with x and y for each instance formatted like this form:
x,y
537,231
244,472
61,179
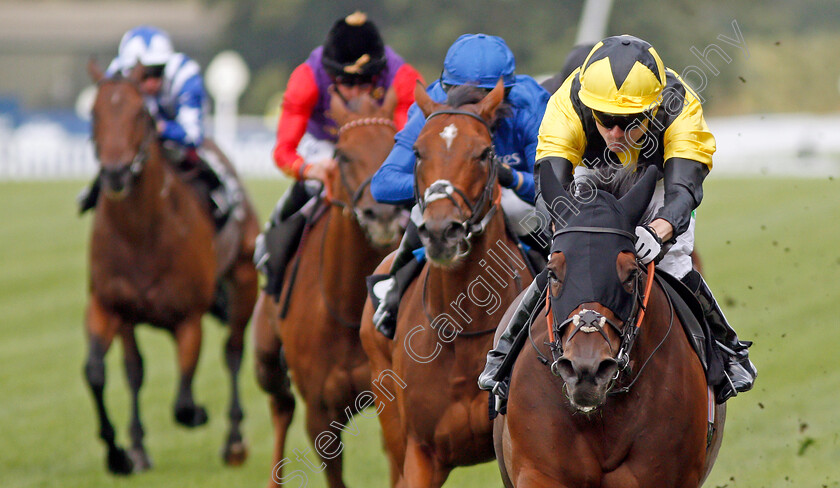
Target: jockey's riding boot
x,y
492,378
389,291
88,196
740,371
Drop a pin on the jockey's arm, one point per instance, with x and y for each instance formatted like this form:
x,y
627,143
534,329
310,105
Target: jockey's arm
x,y
298,102
683,193
187,126
553,176
689,146
404,82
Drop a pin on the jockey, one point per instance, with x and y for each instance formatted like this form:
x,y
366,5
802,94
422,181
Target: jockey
x,y
354,61
480,60
174,93
622,110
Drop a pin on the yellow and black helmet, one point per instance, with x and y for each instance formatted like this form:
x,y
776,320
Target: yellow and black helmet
x,y
622,75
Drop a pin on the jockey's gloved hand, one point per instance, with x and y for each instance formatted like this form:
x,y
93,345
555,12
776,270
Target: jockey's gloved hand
x,y
505,174
648,244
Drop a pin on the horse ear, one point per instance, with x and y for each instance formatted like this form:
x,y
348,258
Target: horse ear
x,y
136,74
94,70
338,109
636,201
390,102
487,107
424,101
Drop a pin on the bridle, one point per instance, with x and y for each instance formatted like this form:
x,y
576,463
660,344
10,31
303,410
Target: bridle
x,y
475,223
356,195
590,321
138,163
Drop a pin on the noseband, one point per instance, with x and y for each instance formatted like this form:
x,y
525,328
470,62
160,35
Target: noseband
x,y
474,223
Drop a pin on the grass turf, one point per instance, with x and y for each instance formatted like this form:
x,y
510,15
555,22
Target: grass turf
x,y
771,256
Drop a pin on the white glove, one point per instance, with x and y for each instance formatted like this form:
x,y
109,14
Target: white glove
x,y
648,244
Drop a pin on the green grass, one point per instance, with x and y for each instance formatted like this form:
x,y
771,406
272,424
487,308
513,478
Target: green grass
x,y
771,255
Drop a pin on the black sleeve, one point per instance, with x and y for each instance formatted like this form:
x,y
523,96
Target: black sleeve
x,y
552,175
683,192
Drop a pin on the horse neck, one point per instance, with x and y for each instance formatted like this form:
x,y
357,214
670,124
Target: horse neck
x,y
493,262
346,257
142,209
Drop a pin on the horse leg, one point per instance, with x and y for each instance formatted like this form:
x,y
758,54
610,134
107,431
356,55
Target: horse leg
x,y
101,328
188,337
134,373
243,293
420,469
318,423
273,378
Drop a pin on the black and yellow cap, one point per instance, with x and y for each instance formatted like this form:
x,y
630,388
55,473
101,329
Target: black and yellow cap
x,y
622,75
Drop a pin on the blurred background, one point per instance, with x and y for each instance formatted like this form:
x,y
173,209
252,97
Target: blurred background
x,y
786,64
767,229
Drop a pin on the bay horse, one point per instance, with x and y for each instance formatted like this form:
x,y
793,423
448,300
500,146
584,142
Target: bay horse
x,y
619,398
318,338
153,259
437,418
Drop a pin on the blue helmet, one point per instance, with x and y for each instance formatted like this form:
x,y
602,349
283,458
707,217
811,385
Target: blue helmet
x,y
479,59
146,45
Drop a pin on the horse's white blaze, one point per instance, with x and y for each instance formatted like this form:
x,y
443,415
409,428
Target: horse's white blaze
x,y
448,134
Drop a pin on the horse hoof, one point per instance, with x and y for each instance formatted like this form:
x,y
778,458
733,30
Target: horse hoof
x,y
191,416
140,459
119,463
235,453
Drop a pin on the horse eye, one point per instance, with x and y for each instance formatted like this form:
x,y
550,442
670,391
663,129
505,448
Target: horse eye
x,y
555,284
417,156
341,158
630,282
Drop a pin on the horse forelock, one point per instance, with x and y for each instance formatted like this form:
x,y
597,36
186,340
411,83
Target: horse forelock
x,y
461,95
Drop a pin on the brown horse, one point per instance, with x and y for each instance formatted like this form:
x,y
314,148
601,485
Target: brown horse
x,y
153,260
319,334
438,419
630,407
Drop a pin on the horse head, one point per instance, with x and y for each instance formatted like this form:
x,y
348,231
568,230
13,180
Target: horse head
x,y
122,130
594,288
365,138
455,170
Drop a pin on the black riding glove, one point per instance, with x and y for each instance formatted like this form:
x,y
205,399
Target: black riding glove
x,y
506,175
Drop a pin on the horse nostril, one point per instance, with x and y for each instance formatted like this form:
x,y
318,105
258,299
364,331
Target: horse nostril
x,y
454,231
606,370
368,214
563,368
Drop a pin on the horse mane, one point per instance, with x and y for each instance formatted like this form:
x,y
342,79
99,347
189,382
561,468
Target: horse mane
x,y
460,95
615,181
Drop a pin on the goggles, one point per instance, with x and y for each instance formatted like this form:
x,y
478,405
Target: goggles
x,y
355,80
153,71
621,121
